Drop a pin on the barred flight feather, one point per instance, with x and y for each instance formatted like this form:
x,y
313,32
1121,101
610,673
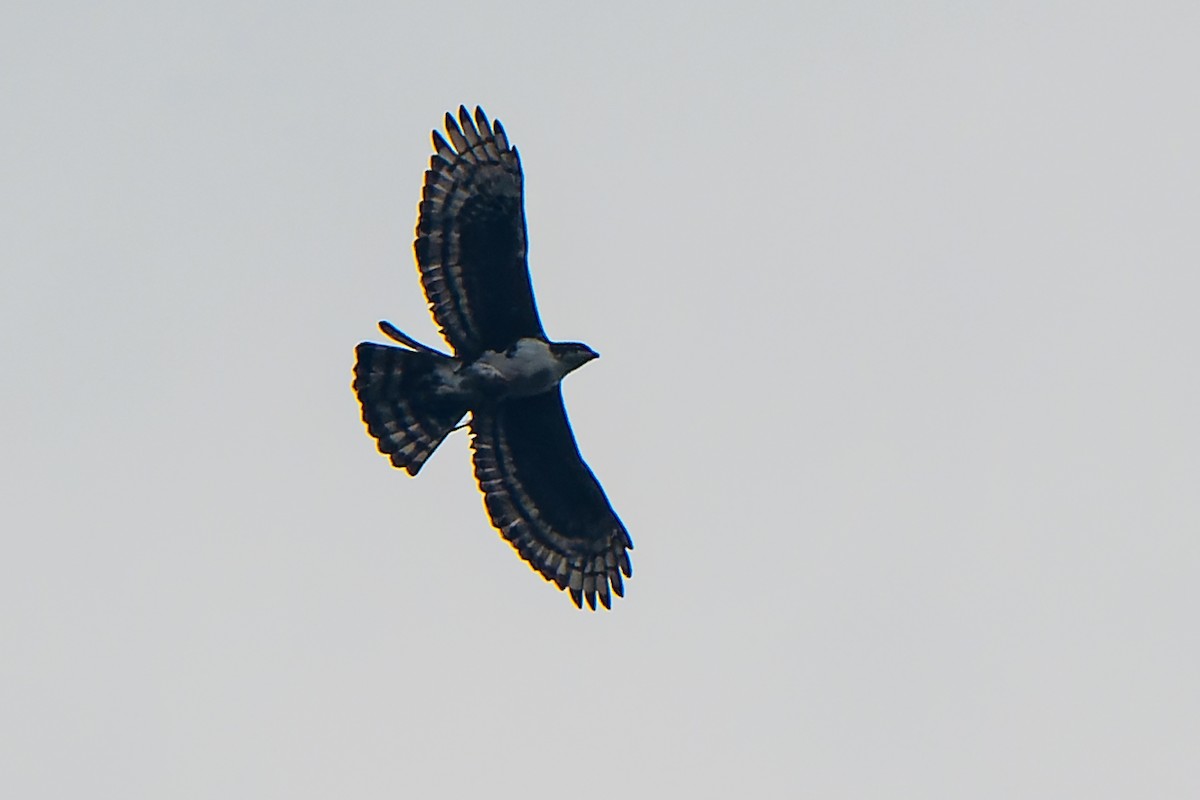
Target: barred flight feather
x,y
472,214
586,553
407,426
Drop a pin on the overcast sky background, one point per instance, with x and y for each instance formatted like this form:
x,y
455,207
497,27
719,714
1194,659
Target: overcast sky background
x,y
898,310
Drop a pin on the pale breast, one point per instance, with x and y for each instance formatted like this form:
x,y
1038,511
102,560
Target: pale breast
x,y
525,369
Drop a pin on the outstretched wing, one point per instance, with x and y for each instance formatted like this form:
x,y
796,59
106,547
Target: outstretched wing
x,y
544,499
471,238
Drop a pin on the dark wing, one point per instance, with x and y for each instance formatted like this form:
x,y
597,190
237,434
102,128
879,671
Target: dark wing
x,y
471,238
545,500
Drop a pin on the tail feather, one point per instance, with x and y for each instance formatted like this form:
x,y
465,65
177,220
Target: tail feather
x,y
406,419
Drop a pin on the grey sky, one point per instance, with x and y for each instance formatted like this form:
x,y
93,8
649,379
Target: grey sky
x,y
897,304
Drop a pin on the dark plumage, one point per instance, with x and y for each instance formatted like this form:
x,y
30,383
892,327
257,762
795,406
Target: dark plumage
x,y
471,254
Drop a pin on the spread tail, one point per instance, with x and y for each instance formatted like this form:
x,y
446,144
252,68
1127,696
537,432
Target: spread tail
x,y
407,420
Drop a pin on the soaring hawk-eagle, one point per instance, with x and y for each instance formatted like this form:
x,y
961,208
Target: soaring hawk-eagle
x,y
470,250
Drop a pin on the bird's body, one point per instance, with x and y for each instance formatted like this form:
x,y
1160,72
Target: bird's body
x,y
505,372
531,366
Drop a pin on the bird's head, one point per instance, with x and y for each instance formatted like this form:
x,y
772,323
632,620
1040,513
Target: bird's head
x,y
572,355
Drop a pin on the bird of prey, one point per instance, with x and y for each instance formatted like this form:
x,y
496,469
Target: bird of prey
x,y
504,372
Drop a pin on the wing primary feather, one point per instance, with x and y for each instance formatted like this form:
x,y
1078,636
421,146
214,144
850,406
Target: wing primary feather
x,y
589,590
468,126
502,137
605,597
481,120
577,598
441,147
485,131
456,135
